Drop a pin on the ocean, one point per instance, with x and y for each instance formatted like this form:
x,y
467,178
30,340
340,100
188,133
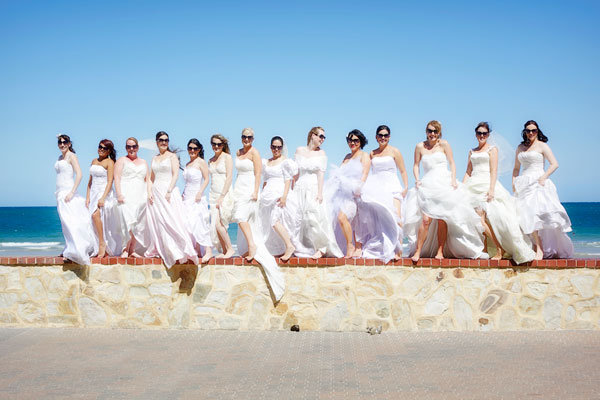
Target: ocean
x,y
36,231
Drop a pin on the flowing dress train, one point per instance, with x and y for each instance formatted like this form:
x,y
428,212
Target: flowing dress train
x,y
133,209
197,219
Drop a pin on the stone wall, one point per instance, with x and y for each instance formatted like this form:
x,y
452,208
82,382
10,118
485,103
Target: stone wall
x,y
336,298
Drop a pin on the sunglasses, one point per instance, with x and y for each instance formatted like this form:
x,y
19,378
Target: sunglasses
x,y
431,130
321,136
244,137
382,135
482,133
190,148
531,130
215,144
101,147
131,146
274,147
163,140
62,141
353,141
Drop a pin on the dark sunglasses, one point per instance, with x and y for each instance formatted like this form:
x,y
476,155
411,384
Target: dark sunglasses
x,y
101,147
131,146
532,130
62,141
321,136
481,133
383,135
163,140
244,137
431,130
274,147
350,140
215,144
190,148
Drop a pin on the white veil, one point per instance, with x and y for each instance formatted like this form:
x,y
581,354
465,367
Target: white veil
x,y
505,152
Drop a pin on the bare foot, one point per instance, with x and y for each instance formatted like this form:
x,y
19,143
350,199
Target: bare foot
x,y
498,256
350,249
318,254
228,254
251,253
357,253
416,257
288,253
207,256
101,250
397,257
439,256
125,254
135,255
539,254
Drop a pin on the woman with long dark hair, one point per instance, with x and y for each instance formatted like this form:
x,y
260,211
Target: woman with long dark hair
x,y
540,212
110,229
74,217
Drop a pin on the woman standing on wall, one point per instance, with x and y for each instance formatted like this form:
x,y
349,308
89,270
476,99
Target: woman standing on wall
x,y
457,227
74,217
169,237
220,167
541,214
196,207
492,202
132,185
100,200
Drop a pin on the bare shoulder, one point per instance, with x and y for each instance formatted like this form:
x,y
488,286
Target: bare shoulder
x,y
255,153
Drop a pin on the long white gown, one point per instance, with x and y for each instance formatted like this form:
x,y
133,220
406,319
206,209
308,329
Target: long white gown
x,y
436,198
540,209
169,238
373,225
113,223
246,210
316,229
269,211
197,216
218,176
501,212
133,209
383,185
74,218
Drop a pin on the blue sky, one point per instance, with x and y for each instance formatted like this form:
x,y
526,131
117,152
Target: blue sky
x,y
119,69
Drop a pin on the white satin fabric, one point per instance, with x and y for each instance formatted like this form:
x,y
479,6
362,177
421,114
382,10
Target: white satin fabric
x,y
246,210
316,229
218,176
197,219
501,212
135,195
169,237
75,220
113,224
270,212
436,198
540,209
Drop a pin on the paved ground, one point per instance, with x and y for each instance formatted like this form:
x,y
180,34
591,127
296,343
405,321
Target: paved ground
x,y
102,364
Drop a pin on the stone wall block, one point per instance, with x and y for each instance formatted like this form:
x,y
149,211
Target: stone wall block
x,y
8,318
376,286
161,289
7,300
494,299
205,322
56,288
537,289
32,313
552,312
106,273
401,315
529,305
463,314
134,276
414,282
426,324
201,292
332,319
147,318
439,301
92,314
584,285
179,315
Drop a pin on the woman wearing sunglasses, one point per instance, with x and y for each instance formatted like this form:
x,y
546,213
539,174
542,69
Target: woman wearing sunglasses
x,y
108,223
277,207
74,217
169,237
492,202
220,167
439,222
541,214
132,180
315,236
196,206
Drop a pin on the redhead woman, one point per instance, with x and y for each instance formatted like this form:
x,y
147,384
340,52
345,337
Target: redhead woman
x,y
100,200
132,180
438,221
169,237
541,214
220,200
74,217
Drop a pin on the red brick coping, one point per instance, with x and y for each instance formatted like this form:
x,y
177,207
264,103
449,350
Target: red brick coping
x,y
327,262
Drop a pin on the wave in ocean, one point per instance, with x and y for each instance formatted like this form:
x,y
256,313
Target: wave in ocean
x,y
31,245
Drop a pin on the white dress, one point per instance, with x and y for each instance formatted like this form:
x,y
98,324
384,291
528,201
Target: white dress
x,y
501,212
436,198
540,209
113,224
316,229
74,218
169,238
246,210
373,225
133,209
270,213
218,176
196,212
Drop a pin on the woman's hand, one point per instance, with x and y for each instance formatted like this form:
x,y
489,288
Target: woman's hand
x,y
198,198
489,196
87,202
281,202
417,183
168,197
219,202
542,181
150,199
68,197
319,198
101,202
254,196
121,199
404,192
454,184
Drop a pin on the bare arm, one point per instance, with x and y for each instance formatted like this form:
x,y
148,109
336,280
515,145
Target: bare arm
x,y
493,173
149,180
320,180
78,175
205,177
87,195
109,181
257,162
400,165
547,152
416,166
228,179
174,176
469,168
117,178
516,168
450,158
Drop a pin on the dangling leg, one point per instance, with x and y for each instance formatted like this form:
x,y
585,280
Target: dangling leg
x,y
537,241
487,231
347,232
283,234
421,236
398,206
442,234
224,239
247,231
97,220
207,254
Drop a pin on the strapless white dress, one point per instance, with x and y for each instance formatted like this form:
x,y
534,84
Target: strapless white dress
x,y
113,224
316,229
246,210
218,175
436,198
269,212
74,218
540,209
133,209
169,238
196,212
373,225
501,212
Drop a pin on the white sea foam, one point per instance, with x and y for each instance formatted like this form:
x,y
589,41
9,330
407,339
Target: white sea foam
x,y
31,245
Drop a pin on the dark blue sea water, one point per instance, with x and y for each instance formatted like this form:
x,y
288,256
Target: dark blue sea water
x,y
36,230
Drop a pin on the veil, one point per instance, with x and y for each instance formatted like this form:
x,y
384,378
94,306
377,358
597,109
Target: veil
x,y
505,152
148,144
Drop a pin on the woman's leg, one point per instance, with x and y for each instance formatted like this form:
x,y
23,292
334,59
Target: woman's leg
x,y
442,234
421,236
487,231
284,235
537,241
97,220
347,232
398,206
224,239
247,231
